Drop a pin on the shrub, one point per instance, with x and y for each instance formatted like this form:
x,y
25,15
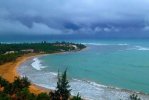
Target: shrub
x,y
78,97
20,83
134,97
43,96
24,94
8,89
4,96
3,82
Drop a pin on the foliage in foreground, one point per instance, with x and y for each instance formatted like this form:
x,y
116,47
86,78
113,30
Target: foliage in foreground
x,y
19,90
134,97
78,97
63,86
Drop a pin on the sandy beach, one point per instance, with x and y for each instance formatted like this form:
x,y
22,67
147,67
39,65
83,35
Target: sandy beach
x,y
9,72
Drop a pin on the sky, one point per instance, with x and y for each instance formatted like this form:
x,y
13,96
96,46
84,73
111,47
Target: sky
x,y
74,18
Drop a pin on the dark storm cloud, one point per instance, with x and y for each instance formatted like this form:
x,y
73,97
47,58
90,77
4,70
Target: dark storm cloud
x,y
73,16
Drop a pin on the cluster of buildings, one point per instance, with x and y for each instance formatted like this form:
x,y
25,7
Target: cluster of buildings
x,y
24,51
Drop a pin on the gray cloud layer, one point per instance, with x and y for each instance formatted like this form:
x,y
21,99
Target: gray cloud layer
x,y
73,16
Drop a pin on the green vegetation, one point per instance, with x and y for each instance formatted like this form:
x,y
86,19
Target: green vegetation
x,y
10,52
39,47
19,90
9,57
43,96
62,92
78,97
134,97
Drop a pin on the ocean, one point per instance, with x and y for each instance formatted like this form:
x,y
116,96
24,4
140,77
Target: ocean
x,y
105,70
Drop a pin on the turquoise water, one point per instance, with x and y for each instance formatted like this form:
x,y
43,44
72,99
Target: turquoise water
x,y
116,65
122,64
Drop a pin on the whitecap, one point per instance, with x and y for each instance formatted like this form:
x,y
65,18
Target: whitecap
x,y
53,73
95,44
120,44
141,48
37,64
87,89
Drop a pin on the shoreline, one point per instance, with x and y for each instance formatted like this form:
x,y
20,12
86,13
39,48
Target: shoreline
x,y
9,71
121,90
111,88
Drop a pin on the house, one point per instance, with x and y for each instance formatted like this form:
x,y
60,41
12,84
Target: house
x,y
28,50
9,52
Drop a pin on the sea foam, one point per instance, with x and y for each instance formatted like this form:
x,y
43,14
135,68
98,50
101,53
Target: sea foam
x,y
37,64
98,44
141,48
88,89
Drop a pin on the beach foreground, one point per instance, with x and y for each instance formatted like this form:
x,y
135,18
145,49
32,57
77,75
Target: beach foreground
x,y
9,71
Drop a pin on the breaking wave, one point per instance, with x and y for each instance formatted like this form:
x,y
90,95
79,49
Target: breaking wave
x,y
141,48
120,44
37,64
